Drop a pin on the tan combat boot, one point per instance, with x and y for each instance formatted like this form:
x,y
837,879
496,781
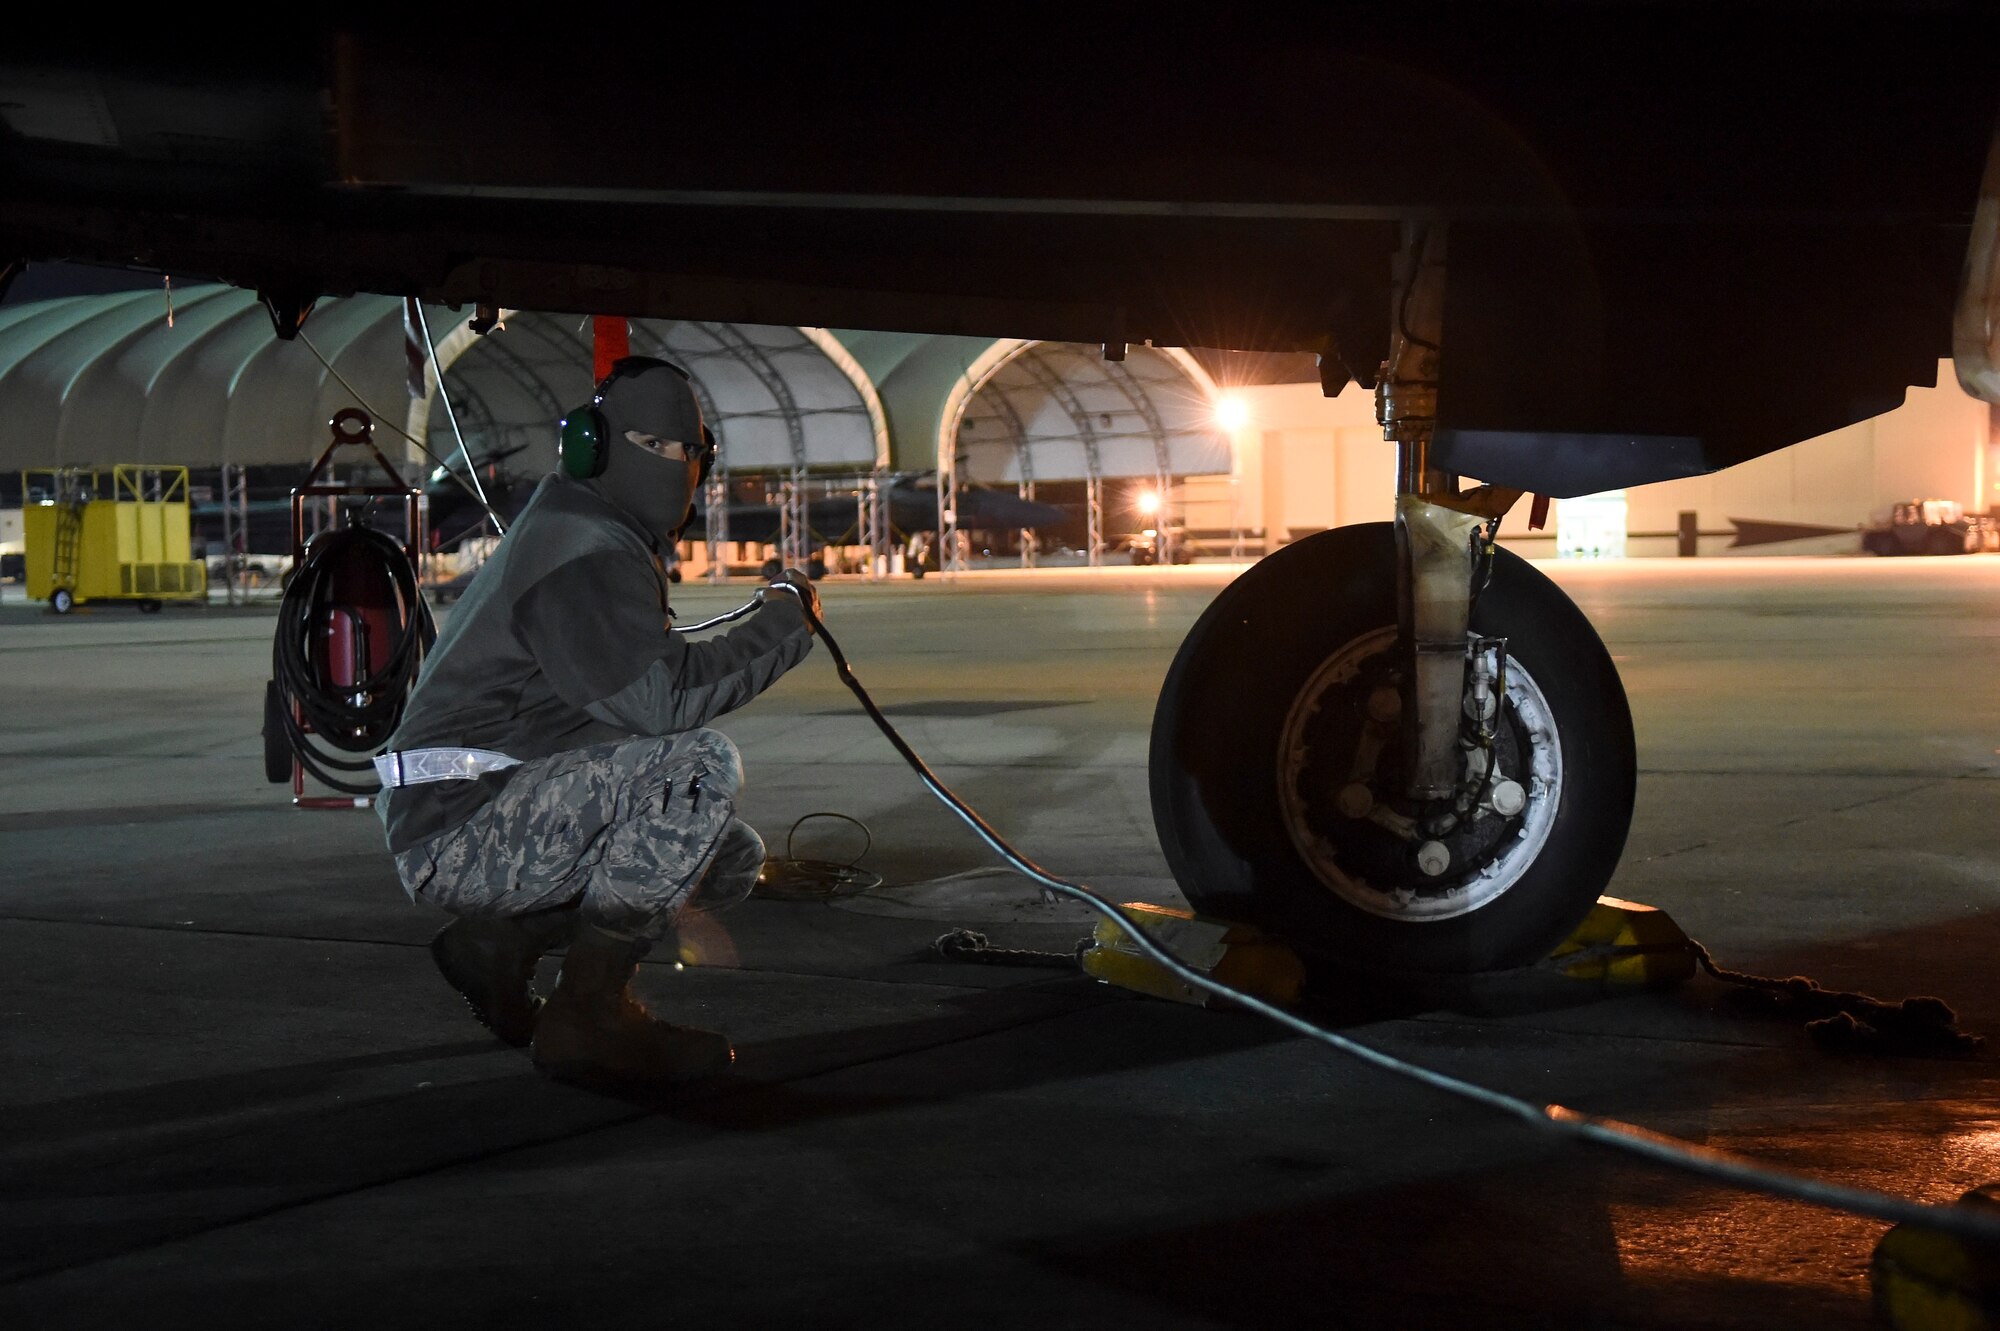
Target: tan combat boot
x,y
491,961
594,1032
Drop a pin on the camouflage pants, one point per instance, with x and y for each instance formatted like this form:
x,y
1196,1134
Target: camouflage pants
x,y
627,830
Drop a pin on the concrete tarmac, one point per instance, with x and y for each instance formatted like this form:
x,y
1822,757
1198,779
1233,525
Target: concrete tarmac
x,y
237,1094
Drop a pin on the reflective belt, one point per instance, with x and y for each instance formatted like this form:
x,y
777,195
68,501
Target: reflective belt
x,y
410,767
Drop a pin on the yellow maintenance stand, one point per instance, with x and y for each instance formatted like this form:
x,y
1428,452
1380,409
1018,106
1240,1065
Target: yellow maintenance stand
x,y
117,535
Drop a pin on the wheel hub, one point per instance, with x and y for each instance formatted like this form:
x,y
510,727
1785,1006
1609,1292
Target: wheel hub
x,y
1341,778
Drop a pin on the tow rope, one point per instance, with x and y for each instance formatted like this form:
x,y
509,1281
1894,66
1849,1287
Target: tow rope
x,y
1845,1021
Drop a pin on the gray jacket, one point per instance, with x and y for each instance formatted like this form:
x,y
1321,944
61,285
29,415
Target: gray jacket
x,y
562,641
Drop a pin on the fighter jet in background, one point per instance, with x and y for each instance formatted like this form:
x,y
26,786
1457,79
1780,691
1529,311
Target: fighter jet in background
x,y
266,511
457,514
912,501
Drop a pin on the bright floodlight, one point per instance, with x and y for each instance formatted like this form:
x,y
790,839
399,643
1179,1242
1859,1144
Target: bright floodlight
x,y
1149,503
1232,413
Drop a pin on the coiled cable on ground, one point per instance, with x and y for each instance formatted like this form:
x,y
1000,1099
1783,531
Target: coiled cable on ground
x,y
1559,1120
793,877
349,718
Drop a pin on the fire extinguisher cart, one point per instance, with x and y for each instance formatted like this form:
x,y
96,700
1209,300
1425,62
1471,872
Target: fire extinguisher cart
x,y
348,644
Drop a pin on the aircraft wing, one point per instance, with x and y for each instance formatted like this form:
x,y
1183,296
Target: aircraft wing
x,y
915,509
747,522
1681,235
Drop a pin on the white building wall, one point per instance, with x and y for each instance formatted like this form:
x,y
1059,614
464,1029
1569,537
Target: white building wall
x,y
1304,462
1934,446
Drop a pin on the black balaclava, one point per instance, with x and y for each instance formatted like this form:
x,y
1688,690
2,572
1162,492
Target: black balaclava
x,y
652,397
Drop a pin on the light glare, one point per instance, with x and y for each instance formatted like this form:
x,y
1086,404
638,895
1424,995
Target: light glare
x,y
1232,413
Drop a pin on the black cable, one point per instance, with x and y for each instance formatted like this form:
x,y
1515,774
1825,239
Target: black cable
x,y
451,414
357,717
1485,554
867,837
1558,1120
791,877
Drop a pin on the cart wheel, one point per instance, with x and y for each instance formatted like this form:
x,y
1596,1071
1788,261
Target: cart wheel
x,y
61,601
149,607
277,748
772,568
815,569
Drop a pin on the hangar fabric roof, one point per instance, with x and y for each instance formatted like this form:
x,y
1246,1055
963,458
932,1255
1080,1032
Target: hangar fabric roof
x,y
1057,411
915,373
101,379
107,378
778,398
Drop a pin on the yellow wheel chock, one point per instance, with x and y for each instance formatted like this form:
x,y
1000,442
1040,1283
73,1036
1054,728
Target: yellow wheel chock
x,y
1619,945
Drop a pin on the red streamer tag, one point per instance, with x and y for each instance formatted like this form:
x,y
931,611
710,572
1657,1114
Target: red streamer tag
x,y
1538,514
611,337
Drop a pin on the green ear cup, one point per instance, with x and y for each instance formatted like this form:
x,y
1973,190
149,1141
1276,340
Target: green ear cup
x,y
582,445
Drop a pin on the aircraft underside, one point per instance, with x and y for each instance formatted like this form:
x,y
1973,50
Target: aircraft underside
x,y
1573,249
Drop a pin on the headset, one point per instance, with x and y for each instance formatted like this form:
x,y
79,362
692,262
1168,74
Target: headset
x,y
586,435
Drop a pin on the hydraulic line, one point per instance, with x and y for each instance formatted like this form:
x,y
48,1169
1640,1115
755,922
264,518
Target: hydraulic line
x,y
451,414
1558,1120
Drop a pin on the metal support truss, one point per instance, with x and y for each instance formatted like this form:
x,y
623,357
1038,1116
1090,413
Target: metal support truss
x,y
951,544
1120,374
235,496
715,523
794,537
1056,387
1024,465
795,543
1031,545
799,553
873,512
1093,511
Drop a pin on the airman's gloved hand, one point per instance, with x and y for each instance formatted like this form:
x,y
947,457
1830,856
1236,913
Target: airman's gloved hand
x,y
794,582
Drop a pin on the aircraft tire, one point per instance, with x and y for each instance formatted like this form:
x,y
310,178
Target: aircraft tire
x,y
277,746
1246,759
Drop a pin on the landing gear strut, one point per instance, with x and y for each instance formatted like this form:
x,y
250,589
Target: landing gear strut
x,y
1397,744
